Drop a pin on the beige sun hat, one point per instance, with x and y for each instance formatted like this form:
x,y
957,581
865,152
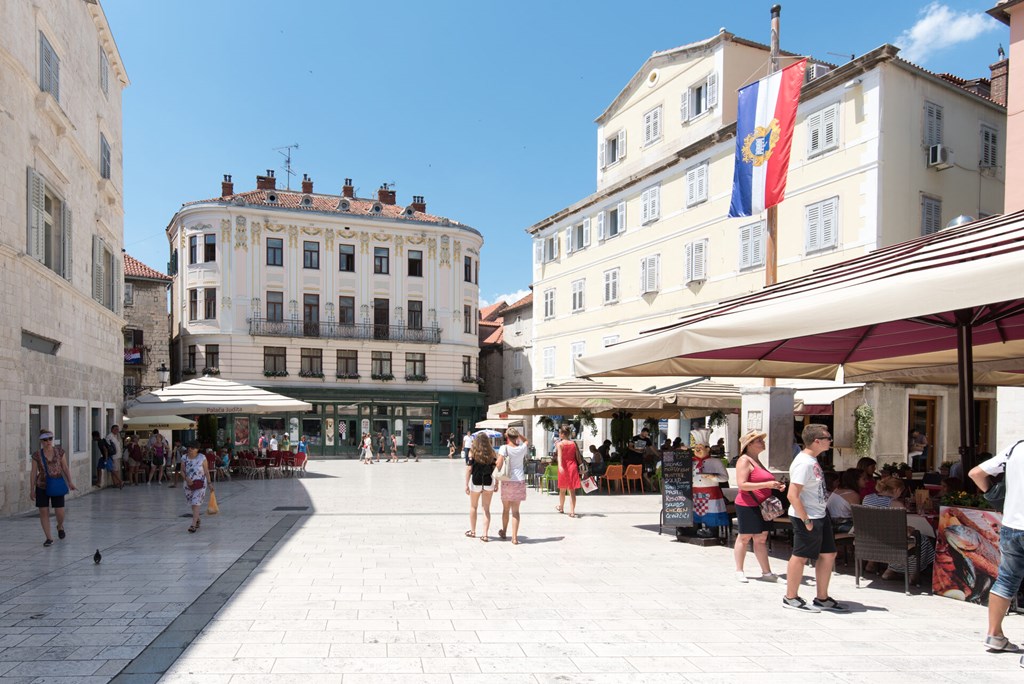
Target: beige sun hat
x,y
750,437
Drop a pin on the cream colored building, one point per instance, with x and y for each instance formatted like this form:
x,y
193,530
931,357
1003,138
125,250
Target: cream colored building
x,y
362,307
61,231
883,151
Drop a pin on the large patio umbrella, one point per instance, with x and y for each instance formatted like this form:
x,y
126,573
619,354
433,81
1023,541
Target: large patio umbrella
x,y
158,423
601,399
208,395
921,304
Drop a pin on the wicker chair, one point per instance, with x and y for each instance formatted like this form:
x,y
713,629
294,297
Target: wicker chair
x,y
880,535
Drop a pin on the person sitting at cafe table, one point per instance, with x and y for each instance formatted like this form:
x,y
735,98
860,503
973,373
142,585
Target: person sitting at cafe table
x,y
845,496
635,449
597,462
606,450
889,494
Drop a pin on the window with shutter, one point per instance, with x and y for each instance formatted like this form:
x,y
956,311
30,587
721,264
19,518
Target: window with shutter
x,y
649,204
652,126
49,68
577,295
931,215
549,304
822,229
712,89
752,245
649,272
97,268
104,71
104,157
933,124
568,240
611,286
696,261
586,232
684,106
576,350
620,143
620,218
696,184
538,251
823,130
600,225
601,154
49,226
989,147
549,362
66,233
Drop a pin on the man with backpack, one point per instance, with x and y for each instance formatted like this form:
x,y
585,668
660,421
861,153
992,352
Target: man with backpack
x,y
1011,538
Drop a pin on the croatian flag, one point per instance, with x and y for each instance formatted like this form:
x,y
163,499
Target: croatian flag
x,y
766,113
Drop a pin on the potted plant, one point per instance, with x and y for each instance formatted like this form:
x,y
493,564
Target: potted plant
x,y
863,429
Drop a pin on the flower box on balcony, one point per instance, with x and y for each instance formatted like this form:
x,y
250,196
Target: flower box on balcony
x,y
416,378
211,371
188,371
310,374
382,376
275,374
347,376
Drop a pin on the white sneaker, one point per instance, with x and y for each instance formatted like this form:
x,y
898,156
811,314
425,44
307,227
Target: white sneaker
x,y
769,577
740,577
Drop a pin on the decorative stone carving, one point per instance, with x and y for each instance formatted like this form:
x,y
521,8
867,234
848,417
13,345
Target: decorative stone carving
x,y
257,228
398,245
225,303
458,251
240,236
293,236
329,238
311,231
225,231
432,247
380,237
364,242
446,253
415,239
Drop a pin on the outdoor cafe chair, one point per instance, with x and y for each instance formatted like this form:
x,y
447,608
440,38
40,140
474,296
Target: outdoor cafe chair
x,y
274,464
613,474
298,463
881,535
550,475
634,473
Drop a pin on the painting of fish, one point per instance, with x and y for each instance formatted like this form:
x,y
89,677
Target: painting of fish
x,y
966,553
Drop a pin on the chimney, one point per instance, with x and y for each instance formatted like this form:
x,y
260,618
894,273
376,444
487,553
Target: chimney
x,y
267,182
385,195
348,190
307,184
418,204
1000,76
227,188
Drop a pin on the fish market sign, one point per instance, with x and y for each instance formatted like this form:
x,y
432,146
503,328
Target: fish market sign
x,y
966,553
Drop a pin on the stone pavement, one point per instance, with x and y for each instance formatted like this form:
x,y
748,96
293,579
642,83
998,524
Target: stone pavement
x,y
372,580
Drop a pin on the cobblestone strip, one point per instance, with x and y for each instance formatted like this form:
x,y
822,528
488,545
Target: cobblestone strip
x,y
154,661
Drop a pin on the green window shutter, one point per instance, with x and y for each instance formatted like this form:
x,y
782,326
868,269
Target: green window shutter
x,y
36,209
65,227
97,268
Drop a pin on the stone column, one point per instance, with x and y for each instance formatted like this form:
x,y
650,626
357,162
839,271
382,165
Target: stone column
x,y
770,409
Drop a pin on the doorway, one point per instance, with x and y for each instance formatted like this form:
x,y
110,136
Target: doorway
x,y
921,417
982,411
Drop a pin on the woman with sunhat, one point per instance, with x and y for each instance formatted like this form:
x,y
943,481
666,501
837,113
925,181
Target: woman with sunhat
x,y
708,502
755,484
49,462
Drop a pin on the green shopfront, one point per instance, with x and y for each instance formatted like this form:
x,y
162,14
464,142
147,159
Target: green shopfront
x,y
338,418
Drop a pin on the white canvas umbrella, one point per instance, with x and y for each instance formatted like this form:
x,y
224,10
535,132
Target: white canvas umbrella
x,y
213,396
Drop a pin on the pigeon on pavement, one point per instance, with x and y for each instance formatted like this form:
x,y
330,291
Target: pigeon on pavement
x,y
96,558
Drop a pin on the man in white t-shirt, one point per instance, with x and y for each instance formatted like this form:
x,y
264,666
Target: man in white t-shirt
x,y
812,529
467,444
1011,539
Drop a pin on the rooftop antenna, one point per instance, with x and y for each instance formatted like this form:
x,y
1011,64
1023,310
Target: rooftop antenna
x,y
287,154
850,56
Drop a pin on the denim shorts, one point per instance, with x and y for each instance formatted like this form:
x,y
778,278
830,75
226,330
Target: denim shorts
x,y
1011,563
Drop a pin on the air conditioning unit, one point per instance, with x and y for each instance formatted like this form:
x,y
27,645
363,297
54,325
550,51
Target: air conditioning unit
x,y
940,157
817,71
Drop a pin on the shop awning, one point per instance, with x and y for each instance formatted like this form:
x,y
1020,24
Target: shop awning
x,y
211,396
817,401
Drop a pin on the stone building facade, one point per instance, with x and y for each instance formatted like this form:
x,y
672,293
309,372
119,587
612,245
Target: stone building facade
x,y
364,308
61,233
146,335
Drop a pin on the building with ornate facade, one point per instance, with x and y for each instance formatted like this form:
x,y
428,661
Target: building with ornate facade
x,y
61,232
362,307
883,151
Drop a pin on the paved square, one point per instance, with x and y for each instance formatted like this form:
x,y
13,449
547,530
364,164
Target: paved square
x,y
375,582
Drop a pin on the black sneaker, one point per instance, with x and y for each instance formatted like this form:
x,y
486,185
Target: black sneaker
x,y
829,603
799,604
48,542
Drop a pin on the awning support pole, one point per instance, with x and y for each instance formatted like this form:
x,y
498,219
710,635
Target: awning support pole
x,y
965,385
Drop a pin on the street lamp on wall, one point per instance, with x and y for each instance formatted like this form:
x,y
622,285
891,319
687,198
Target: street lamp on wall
x,y
163,373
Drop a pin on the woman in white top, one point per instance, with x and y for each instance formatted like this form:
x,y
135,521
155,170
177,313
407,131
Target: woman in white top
x,y
367,448
513,490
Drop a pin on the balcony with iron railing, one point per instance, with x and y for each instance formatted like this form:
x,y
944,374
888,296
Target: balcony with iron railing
x,y
344,331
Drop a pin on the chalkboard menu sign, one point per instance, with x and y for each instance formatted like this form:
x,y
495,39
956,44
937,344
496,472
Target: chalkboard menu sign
x,y
676,489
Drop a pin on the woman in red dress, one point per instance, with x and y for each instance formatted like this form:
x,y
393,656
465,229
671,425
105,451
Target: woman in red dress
x,y
568,471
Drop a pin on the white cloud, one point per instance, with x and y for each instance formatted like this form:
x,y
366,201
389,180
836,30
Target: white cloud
x,y
938,27
510,298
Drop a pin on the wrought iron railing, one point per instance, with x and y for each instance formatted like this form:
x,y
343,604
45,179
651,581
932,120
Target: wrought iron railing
x,y
344,331
132,391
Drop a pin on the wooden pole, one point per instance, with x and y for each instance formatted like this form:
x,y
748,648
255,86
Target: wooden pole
x,y
771,261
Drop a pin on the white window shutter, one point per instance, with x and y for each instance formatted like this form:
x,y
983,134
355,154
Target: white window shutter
x,y
600,154
118,302
607,286
828,223
645,200
36,208
656,123
651,284
702,182
65,226
568,240
688,258
757,247
554,246
700,260
813,133
643,275
600,225
691,187
538,251
746,247
813,239
620,145
621,211
684,106
829,127
97,268
655,202
712,98
586,232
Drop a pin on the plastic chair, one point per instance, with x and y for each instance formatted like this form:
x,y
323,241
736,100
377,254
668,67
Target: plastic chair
x,y
550,475
613,474
298,464
880,535
634,473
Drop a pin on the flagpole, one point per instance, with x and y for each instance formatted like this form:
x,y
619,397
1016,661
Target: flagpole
x,y
771,262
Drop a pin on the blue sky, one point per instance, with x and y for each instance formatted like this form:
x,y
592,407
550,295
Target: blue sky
x,y
485,108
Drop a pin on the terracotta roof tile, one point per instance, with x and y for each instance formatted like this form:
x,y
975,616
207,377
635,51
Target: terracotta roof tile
x,y
488,313
133,268
495,337
522,303
290,199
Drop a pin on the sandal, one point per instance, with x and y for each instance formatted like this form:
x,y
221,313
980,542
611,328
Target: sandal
x,y
485,538
501,534
515,541
61,533
48,542
192,529
470,533
559,509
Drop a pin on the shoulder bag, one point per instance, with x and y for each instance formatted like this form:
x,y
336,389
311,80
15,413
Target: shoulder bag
x,y
771,508
996,494
505,471
55,486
